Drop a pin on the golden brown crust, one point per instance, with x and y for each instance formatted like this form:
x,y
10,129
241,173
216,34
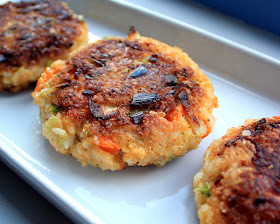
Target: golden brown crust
x,y
91,80
246,189
33,33
148,100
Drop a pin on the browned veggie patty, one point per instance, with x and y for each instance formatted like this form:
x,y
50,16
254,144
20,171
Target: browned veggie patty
x,y
125,102
32,35
240,178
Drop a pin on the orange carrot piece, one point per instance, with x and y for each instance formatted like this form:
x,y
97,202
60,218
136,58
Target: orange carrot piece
x,y
122,166
108,145
208,128
47,74
175,113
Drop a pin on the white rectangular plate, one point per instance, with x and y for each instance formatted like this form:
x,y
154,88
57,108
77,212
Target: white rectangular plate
x,y
245,83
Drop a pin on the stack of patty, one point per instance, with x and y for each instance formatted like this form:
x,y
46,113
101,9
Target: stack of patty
x,y
240,178
32,35
125,102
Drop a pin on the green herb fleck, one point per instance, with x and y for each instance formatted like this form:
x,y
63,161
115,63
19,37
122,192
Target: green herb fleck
x,y
135,111
9,85
49,62
124,71
20,69
10,32
140,61
55,109
107,37
144,61
204,190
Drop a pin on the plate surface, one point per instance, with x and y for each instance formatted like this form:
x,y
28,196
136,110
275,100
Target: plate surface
x,y
138,194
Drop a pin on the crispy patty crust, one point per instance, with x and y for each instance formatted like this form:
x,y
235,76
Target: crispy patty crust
x,y
240,178
125,102
32,35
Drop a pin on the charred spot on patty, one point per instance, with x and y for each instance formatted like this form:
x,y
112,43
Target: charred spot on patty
x,y
5,56
141,70
233,141
98,113
88,92
170,80
143,99
137,117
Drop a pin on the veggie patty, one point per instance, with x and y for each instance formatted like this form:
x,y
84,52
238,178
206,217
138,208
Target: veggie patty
x,y
240,178
126,102
32,35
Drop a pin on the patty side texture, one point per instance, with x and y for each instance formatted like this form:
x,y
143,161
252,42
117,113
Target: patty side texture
x,y
32,35
126,102
240,178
